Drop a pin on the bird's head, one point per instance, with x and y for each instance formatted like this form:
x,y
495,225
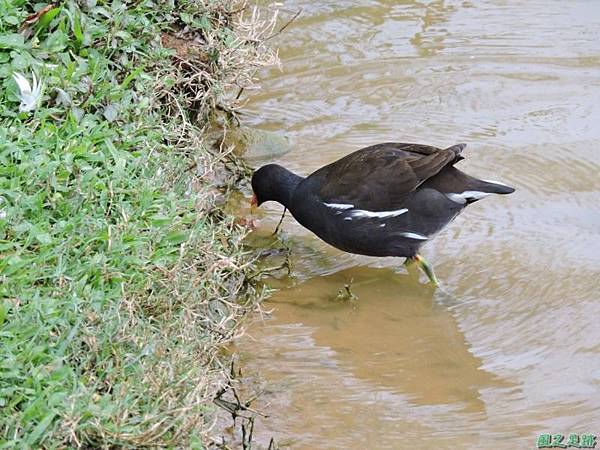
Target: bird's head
x,y
273,182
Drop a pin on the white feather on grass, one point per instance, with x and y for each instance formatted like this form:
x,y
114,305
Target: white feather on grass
x,y
30,94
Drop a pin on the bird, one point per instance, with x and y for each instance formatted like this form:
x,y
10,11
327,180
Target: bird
x,y
387,199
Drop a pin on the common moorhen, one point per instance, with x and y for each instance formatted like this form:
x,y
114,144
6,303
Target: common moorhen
x,y
383,200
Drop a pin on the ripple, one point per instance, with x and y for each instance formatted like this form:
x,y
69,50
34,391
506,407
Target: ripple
x,y
512,348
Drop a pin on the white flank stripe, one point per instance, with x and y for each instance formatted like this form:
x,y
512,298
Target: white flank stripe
x,y
339,205
359,213
467,195
414,236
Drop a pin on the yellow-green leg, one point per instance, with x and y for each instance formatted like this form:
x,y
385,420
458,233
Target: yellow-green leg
x,y
425,267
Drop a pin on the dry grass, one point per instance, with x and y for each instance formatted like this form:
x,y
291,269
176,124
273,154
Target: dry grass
x,y
122,278
214,67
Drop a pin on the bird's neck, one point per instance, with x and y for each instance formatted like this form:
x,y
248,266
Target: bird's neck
x,y
286,184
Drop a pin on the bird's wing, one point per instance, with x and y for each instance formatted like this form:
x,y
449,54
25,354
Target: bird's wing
x,y
380,177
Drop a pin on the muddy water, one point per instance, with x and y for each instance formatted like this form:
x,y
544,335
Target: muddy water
x,y
512,349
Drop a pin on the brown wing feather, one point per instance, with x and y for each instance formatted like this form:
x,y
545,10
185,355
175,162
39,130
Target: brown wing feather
x,y
380,177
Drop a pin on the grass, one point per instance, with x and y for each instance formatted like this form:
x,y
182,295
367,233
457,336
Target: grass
x,y
120,276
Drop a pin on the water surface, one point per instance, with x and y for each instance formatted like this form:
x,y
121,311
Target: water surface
x,y
513,349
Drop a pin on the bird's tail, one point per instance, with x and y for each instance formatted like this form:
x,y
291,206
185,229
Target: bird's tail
x,y
463,188
493,187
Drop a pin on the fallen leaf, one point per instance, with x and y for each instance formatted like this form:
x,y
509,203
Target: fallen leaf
x,y
33,18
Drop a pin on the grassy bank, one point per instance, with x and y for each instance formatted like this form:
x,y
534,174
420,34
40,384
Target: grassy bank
x,y
120,277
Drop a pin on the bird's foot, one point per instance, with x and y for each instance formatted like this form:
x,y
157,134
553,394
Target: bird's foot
x,y
425,267
345,295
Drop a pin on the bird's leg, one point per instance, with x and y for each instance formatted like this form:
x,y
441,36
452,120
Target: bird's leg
x,y
425,267
280,222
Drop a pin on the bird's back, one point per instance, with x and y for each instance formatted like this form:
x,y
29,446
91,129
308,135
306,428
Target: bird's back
x,y
387,199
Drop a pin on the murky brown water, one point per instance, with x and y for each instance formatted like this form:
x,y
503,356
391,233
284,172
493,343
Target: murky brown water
x,y
514,349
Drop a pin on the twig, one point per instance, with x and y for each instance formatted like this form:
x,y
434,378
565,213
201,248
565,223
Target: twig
x,y
247,440
287,24
277,33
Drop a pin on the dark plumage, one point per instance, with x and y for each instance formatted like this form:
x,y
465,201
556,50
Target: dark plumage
x,y
383,200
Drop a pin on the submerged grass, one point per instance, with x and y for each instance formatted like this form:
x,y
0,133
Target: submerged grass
x,y
120,277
